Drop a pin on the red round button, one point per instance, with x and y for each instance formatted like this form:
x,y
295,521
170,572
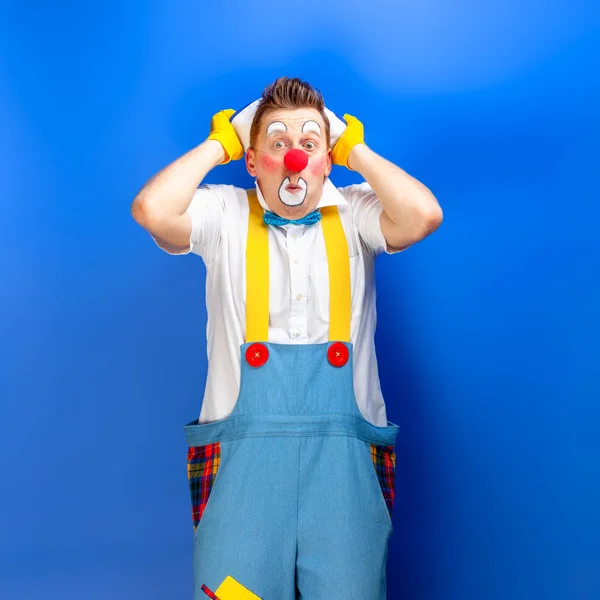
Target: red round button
x,y
257,355
338,354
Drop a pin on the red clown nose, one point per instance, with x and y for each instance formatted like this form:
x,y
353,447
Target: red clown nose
x,y
295,160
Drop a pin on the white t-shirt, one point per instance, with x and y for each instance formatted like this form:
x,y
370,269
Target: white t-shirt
x,y
299,288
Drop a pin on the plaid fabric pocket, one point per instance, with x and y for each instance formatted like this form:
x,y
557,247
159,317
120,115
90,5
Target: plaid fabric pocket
x,y
203,464
384,461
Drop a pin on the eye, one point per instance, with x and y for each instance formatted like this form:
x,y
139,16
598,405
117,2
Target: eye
x,y
278,144
310,145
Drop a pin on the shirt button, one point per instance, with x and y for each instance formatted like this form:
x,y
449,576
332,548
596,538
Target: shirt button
x,y
338,354
299,297
257,355
297,334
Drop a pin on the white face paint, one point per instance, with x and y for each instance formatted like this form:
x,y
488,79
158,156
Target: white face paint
x,y
294,196
311,126
276,126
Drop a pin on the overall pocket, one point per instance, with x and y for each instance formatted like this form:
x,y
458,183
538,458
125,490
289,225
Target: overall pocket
x,y
202,466
384,463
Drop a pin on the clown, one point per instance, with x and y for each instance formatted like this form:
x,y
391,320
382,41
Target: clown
x,y
291,461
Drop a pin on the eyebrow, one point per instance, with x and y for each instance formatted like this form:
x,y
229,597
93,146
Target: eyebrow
x,y
279,123
312,129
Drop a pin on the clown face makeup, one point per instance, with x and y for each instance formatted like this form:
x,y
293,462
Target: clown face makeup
x,y
291,160
293,194
276,126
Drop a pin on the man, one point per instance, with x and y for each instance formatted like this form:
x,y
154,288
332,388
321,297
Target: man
x,y
291,463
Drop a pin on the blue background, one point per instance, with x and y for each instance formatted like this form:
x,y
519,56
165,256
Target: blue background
x,y
488,337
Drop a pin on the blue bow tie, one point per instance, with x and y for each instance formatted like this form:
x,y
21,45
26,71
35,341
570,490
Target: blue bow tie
x,y
270,218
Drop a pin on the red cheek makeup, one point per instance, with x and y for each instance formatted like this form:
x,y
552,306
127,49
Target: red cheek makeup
x,y
270,163
318,165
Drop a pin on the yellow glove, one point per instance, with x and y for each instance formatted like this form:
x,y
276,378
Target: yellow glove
x,y
352,135
222,130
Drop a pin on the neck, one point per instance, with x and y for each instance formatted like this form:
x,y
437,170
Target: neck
x,y
293,212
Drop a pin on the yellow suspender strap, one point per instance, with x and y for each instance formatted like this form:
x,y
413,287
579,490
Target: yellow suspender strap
x,y
338,262
257,274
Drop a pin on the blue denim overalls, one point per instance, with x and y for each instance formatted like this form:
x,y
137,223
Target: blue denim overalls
x,y
292,492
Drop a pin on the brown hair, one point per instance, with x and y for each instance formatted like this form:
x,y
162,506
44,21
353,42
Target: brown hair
x,y
288,93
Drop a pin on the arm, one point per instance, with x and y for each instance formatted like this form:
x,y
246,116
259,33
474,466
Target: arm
x,y
161,205
410,211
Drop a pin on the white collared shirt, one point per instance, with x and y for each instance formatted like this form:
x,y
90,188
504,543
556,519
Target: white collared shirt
x,y
299,289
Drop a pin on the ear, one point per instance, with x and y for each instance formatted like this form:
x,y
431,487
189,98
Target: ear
x,y
329,162
251,162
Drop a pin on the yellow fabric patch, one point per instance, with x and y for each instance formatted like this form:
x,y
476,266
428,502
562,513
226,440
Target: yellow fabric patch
x,y
230,589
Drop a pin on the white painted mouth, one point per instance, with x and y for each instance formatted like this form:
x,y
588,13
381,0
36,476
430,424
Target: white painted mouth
x,y
294,197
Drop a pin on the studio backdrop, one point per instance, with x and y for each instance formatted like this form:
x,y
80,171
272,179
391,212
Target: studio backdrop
x,y
487,331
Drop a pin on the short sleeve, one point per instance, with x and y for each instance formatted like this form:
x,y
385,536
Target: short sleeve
x,y
366,212
206,212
